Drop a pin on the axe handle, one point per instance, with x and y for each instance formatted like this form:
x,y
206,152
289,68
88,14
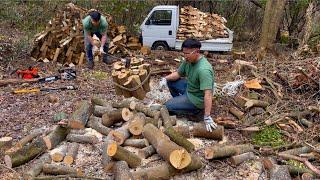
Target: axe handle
x,y
26,91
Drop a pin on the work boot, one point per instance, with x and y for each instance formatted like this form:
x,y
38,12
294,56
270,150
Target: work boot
x,y
105,59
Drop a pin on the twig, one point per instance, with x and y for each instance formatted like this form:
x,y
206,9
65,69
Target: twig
x,y
312,147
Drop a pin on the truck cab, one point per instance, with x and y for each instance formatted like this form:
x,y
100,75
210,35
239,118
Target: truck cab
x,y
159,31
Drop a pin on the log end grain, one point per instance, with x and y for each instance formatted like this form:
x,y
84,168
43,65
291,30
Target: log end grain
x,y
180,158
112,149
126,114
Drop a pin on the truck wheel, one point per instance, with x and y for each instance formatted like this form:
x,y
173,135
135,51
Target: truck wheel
x,y
160,46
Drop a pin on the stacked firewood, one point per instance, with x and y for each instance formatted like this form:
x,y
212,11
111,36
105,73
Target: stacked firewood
x,y
131,77
200,25
62,40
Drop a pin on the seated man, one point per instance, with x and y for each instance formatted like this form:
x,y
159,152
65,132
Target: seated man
x,y
95,24
191,86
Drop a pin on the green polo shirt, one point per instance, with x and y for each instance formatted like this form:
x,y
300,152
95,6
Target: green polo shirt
x,y
88,27
200,76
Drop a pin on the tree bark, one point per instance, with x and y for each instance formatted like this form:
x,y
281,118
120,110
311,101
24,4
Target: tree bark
x,y
58,153
136,125
165,117
199,130
60,169
95,123
238,159
119,153
100,110
72,153
236,112
138,143
37,168
219,151
144,109
29,138
100,102
56,136
107,161
122,171
298,151
125,103
146,152
116,116
121,134
179,139
91,139
80,117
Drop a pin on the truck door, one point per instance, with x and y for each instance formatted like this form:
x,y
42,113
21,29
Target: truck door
x,y
160,25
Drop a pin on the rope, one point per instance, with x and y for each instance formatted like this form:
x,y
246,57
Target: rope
x,y
134,88
230,88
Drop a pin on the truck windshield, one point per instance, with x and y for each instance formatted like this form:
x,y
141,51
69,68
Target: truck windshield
x,y
161,17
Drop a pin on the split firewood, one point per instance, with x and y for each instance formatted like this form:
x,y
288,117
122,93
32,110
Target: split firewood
x,y
96,124
144,109
86,138
100,110
138,143
26,153
60,169
80,117
199,130
119,153
133,82
56,136
110,118
236,112
179,139
171,152
71,154
238,159
314,109
146,152
121,134
58,153
219,151
143,74
165,170
121,171
115,75
37,168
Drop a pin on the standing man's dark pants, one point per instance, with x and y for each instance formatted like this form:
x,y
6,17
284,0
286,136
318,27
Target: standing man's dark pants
x,y
89,46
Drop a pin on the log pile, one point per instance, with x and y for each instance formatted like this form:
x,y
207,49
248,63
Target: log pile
x,y
200,25
131,77
62,41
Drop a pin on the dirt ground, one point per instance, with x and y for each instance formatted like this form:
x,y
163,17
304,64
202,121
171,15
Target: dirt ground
x,y
20,114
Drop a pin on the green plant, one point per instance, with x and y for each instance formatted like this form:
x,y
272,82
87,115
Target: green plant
x,y
269,136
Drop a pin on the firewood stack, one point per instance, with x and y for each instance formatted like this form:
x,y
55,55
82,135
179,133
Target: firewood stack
x,y
200,25
62,40
127,79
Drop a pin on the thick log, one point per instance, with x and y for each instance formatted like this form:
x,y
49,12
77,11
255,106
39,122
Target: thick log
x,y
5,144
29,138
199,130
116,116
86,138
122,104
136,125
219,151
138,143
27,153
297,151
58,153
236,112
107,161
119,153
60,169
144,109
96,124
80,117
238,159
134,81
37,168
122,80
100,102
171,152
146,152
56,136
100,110
121,171
121,134
179,139
165,117
72,153
114,75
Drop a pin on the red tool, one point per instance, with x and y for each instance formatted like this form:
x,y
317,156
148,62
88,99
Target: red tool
x,y
29,73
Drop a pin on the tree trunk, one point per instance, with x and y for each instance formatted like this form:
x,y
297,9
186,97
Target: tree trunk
x,y
37,168
219,151
56,136
179,139
60,169
116,116
95,123
238,159
80,117
91,139
138,143
119,153
171,152
58,153
122,171
146,152
308,25
71,154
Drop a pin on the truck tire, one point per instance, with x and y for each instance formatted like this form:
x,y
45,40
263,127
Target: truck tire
x,y
160,46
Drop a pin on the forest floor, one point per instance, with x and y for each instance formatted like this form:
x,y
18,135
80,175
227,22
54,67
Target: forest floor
x,y
22,113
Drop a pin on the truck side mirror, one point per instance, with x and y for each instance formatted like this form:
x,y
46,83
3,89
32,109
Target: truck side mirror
x,y
148,22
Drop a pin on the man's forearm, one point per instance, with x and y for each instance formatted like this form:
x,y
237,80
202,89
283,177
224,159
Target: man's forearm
x,y
173,76
90,39
103,40
207,101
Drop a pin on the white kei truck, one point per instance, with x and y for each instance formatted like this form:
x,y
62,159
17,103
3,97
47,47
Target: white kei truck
x,y
159,31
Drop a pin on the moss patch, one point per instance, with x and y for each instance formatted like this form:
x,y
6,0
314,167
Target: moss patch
x,y
269,136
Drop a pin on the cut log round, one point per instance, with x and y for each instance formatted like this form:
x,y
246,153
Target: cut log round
x,y
121,171
5,143
86,138
219,151
95,123
71,153
55,137
133,82
60,170
100,110
119,153
37,168
238,159
115,75
80,117
146,152
58,153
179,139
122,79
121,134
136,125
116,116
138,143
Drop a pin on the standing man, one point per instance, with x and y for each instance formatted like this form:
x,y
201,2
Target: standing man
x,y
191,86
96,24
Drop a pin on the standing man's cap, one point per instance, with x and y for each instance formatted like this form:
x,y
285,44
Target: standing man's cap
x,y
95,15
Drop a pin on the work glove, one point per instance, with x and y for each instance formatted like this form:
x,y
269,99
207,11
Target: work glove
x,y
163,83
101,50
210,124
